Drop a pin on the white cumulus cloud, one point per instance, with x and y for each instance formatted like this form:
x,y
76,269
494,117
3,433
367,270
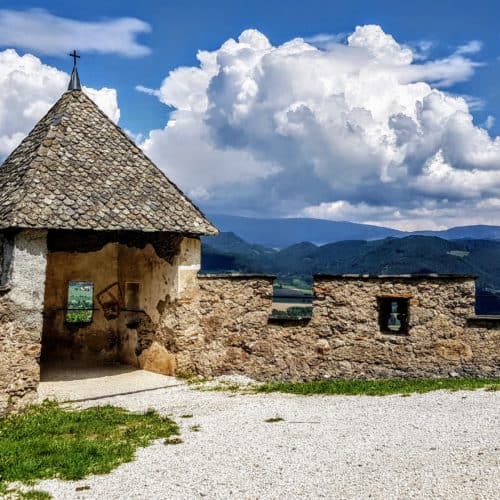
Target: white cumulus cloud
x,y
39,31
28,88
361,130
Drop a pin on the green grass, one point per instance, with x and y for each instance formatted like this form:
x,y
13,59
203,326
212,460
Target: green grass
x,y
379,387
13,493
81,316
191,378
48,441
173,440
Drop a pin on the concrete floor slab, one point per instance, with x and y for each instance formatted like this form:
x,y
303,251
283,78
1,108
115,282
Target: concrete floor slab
x,y
75,383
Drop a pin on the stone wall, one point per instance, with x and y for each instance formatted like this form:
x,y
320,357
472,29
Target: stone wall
x,y
21,306
230,331
216,330
440,340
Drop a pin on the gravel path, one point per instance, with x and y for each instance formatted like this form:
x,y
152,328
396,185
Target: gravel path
x,y
439,445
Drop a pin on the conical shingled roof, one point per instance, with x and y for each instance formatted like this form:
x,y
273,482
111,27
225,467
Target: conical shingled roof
x,y
78,170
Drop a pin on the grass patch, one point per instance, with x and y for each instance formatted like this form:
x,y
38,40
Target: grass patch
x,y
48,441
223,386
16,494
379,387
492,388
232,387
34,495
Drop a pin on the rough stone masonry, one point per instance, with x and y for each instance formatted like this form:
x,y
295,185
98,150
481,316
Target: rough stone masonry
x,y
231,330
21,320
77,180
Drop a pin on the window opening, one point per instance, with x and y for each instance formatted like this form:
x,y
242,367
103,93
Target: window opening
x,y
80,302
393,314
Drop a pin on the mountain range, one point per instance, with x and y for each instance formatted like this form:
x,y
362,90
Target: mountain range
x,y
281,233
295,264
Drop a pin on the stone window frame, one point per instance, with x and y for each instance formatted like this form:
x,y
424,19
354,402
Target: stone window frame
x,y
384,303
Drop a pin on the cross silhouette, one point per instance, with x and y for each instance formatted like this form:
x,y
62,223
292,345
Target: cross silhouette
x,y
75,56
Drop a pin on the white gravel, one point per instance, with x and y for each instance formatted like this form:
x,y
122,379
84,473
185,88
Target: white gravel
x,y
439,445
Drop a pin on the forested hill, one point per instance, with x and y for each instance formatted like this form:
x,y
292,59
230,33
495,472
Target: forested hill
x,y
412,254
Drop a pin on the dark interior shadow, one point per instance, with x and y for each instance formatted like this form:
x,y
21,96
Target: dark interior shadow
x,y
54,371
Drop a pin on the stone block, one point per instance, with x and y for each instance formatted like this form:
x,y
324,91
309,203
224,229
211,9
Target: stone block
x,y
157,359
454,350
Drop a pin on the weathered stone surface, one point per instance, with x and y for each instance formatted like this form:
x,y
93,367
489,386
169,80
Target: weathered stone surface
x,y
157,359
21,320
33,305
454,350
114,219
112,265
225,329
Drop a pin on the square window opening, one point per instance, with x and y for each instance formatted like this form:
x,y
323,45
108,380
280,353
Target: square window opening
x,y
394,315
80,302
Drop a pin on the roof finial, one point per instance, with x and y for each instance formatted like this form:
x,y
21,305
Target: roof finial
x,y
74,81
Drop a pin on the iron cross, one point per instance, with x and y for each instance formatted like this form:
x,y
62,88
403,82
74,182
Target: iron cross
x,y
75,56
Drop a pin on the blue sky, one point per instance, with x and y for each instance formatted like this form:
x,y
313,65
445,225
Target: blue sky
x,y
456,52
180,29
